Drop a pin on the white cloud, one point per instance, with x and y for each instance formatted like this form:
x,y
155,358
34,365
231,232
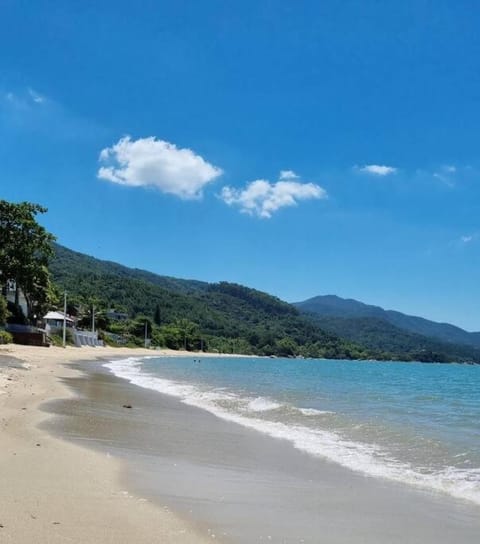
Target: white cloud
x,y
262,198
159,164
444,179
36,97
377,169
468,238
287,175
14,102
25,99
446,175
465,240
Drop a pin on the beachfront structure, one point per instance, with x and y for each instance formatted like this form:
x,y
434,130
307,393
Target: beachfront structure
x,y
54,321
86,338
54,324
116,316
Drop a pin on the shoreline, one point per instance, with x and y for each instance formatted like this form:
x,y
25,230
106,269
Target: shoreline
x,y
242,484
77,467
55,491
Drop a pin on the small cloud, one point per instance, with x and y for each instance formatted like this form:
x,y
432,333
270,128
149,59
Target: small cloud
x,y
25,99
262,198
36,97
157,163
445,174
465,240
288,175
14,102
377,169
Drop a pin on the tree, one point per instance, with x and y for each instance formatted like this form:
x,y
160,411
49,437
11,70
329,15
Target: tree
x,y
137,327
286,347
190,333
171,336
25,250
157,318
3,310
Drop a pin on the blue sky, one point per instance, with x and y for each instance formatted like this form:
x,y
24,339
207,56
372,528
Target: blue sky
x,y
300,148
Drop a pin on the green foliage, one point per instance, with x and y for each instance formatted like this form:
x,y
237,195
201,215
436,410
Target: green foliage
x,y
332,306
157,318
5,337
223,317
25,249
286,347
169,336
230,318
93,311
15,314
138,325
382,337
57,338
3,310
182,334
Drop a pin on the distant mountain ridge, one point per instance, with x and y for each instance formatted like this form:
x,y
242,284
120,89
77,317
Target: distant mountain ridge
x,y
226,316
67,260
336,307
234,317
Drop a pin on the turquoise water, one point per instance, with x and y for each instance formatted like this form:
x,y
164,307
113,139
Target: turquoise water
x,y
409,422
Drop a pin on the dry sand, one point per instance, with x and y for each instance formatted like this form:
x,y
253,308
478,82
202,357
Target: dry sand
x,y
52,491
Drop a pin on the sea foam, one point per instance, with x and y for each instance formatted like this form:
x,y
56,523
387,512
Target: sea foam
x,y
262,404
368,459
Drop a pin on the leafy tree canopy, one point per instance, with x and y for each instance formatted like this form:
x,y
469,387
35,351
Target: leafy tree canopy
x,y
25,250
3,311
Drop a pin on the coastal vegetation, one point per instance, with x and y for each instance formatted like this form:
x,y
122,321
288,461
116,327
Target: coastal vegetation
x,y
333,306
129,306
188,314
25,250
380,335
3,311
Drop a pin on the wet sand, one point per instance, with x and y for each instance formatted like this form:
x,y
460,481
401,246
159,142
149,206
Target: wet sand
x,y
54,491
238,485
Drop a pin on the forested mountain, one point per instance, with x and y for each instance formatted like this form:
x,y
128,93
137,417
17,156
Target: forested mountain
x,y
380,335
225,316
229,317
68,264
333,306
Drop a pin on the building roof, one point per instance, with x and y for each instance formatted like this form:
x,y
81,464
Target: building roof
x,y
58,316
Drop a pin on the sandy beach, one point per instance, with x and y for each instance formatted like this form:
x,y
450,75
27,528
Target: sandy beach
x,y
53,491
76,466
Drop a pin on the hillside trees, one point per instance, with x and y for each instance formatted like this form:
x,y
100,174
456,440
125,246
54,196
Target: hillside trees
x,y
25,250
3,311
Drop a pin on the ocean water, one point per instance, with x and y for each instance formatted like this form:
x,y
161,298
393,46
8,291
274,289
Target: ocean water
x,y
414,423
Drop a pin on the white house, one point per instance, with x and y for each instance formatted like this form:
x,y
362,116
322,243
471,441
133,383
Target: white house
x,y
54,323
54,320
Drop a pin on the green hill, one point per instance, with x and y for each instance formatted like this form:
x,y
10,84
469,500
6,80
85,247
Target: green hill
x,y
333,306
229,317
68,265
225,316
380,335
